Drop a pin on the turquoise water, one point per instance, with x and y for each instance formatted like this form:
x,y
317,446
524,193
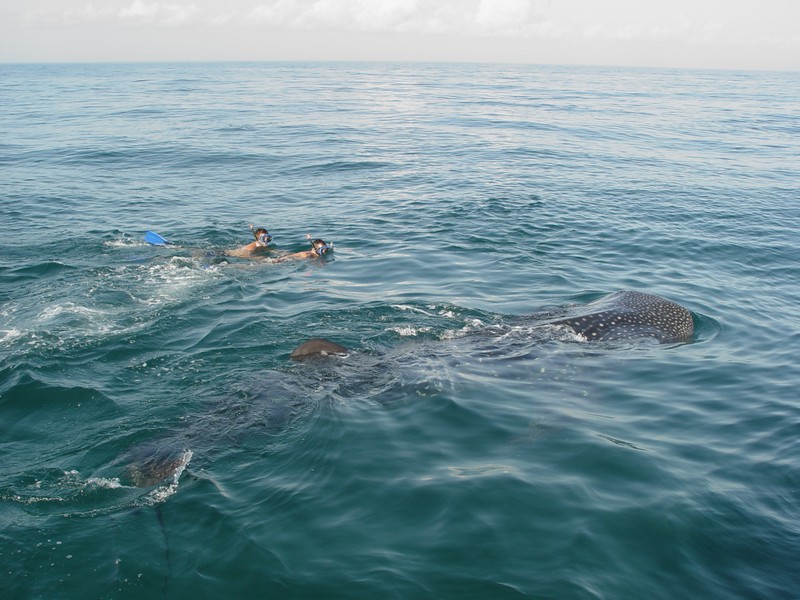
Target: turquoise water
x,y
461,449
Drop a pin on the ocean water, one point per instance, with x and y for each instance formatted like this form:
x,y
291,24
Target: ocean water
x,y
157,442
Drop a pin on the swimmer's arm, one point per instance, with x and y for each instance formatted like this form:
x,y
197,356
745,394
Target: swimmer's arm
x,y
253,231
295,256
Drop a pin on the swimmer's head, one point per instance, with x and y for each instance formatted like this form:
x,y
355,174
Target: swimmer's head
x,y
263,236
320,247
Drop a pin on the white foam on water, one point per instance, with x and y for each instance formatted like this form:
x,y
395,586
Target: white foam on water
x,y
126,243
70,309
72,482
487,470
409,331
470,326
27,500
173,281
9,335
69,322
109,483
62,489
415,309
565,333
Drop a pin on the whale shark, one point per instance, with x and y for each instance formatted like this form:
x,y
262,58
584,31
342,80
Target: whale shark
x,y
624,315
628,315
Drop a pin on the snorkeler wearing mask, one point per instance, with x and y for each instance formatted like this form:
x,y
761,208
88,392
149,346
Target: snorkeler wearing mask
x,y
319,248
263,239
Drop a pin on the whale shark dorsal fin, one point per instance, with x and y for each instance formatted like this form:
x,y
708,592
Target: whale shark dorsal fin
x,y
317,347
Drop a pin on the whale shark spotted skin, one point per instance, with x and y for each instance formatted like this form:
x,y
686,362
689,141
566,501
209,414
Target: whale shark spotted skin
x,y
628,315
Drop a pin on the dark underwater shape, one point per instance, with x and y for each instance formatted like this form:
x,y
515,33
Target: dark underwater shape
x,y
630,315
316,347
152,464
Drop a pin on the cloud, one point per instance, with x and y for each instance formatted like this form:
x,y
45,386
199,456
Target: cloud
x,y
137,12
502,15
158,13
573,21
433,17
361,14
348,15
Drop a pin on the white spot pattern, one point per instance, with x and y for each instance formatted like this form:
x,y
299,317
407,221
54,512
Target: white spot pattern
x,y
630,314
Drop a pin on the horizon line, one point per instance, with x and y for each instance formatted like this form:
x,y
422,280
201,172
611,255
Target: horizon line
x,y
397,62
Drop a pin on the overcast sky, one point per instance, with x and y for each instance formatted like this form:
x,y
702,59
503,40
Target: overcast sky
x,y
728,34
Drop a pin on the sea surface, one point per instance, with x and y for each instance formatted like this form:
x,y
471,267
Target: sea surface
x,y
156,441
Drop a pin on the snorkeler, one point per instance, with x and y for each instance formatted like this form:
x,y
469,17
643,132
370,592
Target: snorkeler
x,y
319,248
263,238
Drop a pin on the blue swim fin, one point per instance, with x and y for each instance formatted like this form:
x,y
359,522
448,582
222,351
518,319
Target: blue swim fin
x,y
152,237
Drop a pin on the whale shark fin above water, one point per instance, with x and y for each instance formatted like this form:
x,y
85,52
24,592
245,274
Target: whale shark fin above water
x,y
316,347
628,315
151,465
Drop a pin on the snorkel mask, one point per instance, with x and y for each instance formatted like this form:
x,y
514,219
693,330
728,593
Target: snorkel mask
x,y
321,250
264,238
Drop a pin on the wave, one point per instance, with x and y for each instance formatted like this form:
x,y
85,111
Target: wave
x,y
99,305
70,494
44,269
342,166
169,156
